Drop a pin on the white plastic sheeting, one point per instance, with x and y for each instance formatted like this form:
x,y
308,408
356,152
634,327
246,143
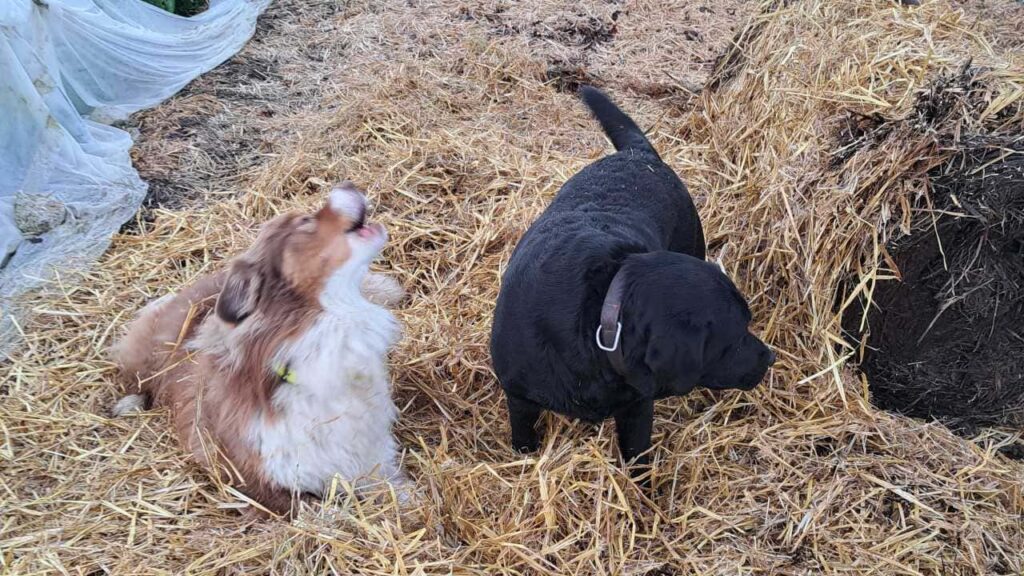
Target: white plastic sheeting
x,y
67,69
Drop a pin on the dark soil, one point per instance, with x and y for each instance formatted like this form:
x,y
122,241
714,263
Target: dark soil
x,y
947,342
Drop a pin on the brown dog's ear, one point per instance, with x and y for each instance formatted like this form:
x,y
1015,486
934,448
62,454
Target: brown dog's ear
x,y
241,292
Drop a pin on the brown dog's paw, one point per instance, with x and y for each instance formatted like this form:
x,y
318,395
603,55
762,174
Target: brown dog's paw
x,y
383,290
129,405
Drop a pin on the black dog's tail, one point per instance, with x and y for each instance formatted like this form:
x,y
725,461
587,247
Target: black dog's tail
x,y
620,128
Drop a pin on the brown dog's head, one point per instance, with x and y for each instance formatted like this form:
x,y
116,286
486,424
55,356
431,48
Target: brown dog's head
x,y
304,260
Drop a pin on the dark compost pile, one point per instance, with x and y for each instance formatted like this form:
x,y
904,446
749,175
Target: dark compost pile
x,y
947,341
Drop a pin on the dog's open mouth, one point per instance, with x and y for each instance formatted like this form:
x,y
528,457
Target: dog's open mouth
x,y
368,230
360,222
363,227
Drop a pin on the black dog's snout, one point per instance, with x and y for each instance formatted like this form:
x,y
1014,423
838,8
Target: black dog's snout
x,y
771,357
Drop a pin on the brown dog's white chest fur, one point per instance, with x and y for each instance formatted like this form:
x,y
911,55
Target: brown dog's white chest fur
x,y
334,413
278,365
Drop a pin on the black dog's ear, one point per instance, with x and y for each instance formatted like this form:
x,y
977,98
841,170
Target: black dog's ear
x,y
674,361
240,294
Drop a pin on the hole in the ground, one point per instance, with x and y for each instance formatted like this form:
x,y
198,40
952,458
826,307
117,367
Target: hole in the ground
x,y
946,342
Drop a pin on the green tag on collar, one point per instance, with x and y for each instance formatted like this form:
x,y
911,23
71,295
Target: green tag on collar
x,y
285,373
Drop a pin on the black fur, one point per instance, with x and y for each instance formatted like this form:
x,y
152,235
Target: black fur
x,y
684,322
620,128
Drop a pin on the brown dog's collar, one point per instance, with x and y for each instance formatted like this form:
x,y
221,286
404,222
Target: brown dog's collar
x,y
609,331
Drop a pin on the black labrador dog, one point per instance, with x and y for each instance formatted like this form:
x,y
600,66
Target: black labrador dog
x,y
608,305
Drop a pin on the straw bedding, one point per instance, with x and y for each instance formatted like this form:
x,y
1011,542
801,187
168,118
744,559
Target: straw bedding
x,y
451,114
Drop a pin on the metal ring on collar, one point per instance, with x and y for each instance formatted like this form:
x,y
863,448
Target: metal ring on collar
x,y
615,344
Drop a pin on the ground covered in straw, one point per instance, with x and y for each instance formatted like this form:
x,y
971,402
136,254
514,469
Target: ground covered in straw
x,y
458,117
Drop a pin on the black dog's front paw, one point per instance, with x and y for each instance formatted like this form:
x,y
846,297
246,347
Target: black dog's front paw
x,y
526,447
525,438
640,472
523,416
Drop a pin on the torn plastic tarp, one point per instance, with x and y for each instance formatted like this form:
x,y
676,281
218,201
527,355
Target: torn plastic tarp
x,y
67,69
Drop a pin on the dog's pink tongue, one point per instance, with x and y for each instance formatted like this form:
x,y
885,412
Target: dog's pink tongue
x,y
370,230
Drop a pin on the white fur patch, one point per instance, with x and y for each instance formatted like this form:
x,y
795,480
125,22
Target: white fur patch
x,y
337,416
383,290
129,404
348,202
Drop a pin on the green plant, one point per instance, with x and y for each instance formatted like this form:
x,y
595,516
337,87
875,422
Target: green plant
x,y
189,7
181,7
165,4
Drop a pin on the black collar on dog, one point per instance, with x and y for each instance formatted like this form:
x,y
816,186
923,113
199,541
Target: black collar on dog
x,y
609,331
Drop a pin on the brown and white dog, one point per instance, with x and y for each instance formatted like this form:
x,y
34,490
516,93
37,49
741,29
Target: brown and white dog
x,y
278,365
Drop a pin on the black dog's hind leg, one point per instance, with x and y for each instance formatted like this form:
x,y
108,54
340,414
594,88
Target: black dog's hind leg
x,y
633,425
522,416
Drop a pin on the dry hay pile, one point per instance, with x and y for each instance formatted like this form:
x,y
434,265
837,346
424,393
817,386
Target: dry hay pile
x,y
462,141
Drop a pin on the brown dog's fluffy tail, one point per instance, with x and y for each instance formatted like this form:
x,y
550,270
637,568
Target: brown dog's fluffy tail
x,y
620,128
